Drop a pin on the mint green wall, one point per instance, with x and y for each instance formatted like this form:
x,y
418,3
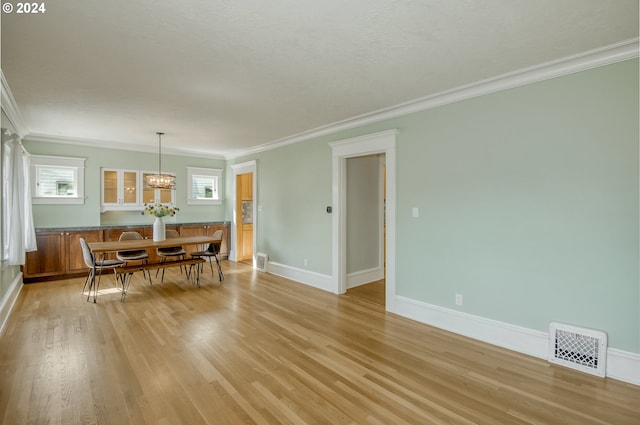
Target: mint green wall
x,y
528,203
47,216
293,193
532,204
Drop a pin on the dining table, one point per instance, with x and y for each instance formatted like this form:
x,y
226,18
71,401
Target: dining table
x,y
101,248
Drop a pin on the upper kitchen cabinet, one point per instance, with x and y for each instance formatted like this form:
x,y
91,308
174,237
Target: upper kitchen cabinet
x,y
120,189
124,190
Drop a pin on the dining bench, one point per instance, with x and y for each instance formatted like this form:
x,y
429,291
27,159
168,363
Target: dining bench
x,y
125,273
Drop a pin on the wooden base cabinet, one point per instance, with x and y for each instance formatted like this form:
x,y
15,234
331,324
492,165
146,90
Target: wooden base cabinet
x,y
49,259
59,254
75,258
247,242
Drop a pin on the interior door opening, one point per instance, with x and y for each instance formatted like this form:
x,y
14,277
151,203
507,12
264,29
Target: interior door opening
x,y
244,217
366,227
374,143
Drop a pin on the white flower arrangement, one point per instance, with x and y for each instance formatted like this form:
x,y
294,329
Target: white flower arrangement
x,y
161,210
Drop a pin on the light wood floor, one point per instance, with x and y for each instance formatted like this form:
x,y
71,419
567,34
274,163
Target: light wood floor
x,y
259,349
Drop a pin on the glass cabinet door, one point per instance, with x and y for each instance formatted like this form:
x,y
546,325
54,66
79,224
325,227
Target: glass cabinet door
x,y
110,186
120,189
166,196
125,190
130,187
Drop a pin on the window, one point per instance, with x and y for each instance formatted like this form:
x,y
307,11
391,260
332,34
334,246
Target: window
x,y
57,180
204,186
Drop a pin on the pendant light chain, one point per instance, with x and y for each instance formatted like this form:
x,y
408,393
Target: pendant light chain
x,y
160,134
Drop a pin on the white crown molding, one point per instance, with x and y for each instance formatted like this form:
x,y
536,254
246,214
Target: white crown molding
x,y
607,55
10,108
166,150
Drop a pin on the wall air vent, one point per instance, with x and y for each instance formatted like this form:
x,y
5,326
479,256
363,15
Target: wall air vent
x,y
262,260
578,348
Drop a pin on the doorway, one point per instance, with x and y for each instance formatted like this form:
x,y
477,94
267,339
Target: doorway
x,y
244,217
365,226
383,142
244,225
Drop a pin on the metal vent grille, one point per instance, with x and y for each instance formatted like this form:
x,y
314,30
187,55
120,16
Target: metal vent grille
x,y
578,348
261,261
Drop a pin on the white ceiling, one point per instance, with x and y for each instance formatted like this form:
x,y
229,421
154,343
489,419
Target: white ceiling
x,y
222,76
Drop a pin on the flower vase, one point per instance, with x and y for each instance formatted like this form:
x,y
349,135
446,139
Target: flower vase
x,y
159,230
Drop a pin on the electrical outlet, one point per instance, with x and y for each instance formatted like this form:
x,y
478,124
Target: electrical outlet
x,y
306,262
458,299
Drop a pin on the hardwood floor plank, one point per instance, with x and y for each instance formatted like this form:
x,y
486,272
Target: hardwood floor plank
x,y
259,349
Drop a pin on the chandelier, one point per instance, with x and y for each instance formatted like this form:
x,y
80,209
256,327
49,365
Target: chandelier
x,y
160,180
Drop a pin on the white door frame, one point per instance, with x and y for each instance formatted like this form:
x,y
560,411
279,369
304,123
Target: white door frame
x,y
236,169
382,142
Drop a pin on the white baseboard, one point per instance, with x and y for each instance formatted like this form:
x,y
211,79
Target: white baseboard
x,y
523,340
9,300
621,365
317,280
363,277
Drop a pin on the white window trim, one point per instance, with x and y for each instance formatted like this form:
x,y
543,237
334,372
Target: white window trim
x,y
213,172
58,161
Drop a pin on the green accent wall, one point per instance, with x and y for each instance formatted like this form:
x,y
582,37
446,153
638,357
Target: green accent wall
x,y
293,193
531,201
528,198
51,216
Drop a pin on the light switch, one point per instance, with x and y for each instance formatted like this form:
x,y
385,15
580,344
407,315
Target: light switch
x,y
415,212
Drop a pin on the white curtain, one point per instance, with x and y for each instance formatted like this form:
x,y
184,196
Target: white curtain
x,y
18,231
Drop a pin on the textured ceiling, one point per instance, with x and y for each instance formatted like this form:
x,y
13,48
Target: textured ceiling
x,y
222,76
